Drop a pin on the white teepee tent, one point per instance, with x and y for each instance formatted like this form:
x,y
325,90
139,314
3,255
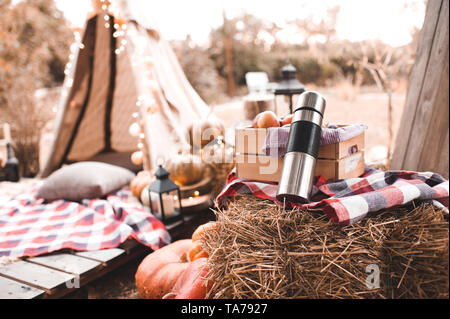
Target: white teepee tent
x,y
121,72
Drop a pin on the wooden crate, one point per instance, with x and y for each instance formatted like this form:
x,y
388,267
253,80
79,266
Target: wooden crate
x,y
266,168
252,141
334,161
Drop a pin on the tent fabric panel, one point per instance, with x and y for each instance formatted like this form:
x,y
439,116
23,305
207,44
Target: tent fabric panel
x,y
176,87
161,142
81,131
124,105
89,139
79,76
178,90
167,126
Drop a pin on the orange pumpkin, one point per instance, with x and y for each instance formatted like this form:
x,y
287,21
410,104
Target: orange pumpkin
x,y
198,239
142,179
199,233
193,284
197,251
185,169
160,270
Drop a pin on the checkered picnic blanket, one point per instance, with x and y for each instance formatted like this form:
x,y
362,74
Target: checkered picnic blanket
x,y
347,201
30,227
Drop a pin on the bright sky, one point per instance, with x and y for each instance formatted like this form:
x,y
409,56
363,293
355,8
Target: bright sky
x,y
386,20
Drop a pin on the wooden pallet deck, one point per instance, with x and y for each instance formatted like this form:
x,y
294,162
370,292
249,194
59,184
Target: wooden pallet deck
x,y
57,274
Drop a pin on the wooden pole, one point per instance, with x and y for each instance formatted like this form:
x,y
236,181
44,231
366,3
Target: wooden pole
x,y
228,57
422,141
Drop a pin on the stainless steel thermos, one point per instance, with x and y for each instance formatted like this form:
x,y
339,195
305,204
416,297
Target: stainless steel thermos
x,y
302,149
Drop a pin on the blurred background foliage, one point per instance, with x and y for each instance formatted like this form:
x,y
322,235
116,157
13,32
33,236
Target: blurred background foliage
x,y
34,47
320,57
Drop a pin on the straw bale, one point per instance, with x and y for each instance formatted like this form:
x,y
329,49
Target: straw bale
x,y
262,251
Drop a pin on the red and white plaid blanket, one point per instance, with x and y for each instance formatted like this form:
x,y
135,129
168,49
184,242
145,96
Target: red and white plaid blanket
x,y
30,227
347,201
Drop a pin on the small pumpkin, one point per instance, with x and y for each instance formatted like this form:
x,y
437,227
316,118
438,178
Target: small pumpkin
x,y
198,238
192,284
199,233
159,271
197,251
142,179
145,197
185,169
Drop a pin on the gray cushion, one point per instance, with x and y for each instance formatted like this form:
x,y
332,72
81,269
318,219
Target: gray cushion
x,y
84,180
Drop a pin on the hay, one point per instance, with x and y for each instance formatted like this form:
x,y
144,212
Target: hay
x,y
262,251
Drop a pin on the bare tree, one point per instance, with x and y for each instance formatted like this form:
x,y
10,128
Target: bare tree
x,y
34,46
385,65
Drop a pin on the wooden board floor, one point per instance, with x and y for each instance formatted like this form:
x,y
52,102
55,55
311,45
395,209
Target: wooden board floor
x,y
57,274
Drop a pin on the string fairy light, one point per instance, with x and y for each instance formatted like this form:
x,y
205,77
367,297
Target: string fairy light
x,y
134,129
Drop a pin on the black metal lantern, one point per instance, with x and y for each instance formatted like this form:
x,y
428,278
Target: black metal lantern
x,y
289,85
165,197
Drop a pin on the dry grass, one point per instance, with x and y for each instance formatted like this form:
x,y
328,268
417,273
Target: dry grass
x,y
262,251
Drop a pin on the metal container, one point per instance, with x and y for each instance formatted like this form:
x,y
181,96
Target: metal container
x,y
299,164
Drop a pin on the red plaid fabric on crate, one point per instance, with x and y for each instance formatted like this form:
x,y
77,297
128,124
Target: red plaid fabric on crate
x,y
30,227
348,200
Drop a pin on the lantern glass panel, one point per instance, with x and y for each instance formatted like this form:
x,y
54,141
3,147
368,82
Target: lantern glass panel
x,y
282,104
170,203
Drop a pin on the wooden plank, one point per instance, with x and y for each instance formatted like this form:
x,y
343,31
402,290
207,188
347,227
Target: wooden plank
x,y
135,252
129,245
417,78
350,167
10,289
66,262
250,167
435,142
348,147
35,275
432,96
443,161
415,83
102,255
112,259
250,140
